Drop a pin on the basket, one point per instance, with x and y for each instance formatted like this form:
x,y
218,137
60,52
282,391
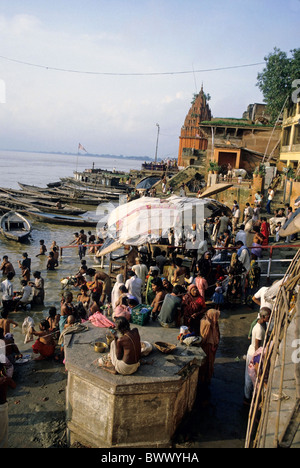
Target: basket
x,y
165,348
140,314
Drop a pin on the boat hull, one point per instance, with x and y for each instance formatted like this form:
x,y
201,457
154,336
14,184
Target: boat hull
x,y
65,220
14,226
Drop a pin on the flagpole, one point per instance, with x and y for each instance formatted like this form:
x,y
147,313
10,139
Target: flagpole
x,y
77,159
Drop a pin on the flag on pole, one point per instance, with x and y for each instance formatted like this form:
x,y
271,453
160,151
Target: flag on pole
x,y
80,147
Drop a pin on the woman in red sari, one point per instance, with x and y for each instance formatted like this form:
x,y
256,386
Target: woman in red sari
x,y
265,231
193,307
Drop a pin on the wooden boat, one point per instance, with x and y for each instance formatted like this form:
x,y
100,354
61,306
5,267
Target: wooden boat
x,y
53,218
64,195
75,192
37,204
15,226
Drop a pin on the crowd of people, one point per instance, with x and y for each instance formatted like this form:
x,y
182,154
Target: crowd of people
x,y
180,288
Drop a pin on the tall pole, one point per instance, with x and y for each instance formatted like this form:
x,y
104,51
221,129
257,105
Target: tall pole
x,y
158,128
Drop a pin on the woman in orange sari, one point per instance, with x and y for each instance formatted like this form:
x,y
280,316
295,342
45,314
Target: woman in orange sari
x,y
210,333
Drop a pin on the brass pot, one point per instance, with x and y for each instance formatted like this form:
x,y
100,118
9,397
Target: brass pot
x,y
100,347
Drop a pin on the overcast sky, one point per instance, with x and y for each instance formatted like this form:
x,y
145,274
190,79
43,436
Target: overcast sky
x,y
123,61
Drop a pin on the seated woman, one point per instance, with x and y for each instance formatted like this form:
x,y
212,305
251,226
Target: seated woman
x,y
125,351
122,310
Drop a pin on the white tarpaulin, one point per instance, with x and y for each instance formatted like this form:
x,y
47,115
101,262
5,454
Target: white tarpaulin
x,y
148,219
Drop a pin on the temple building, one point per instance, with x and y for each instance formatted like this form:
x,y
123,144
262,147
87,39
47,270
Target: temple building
x,y
241,142
192,141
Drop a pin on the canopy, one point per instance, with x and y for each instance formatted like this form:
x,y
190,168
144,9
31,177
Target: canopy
x,y
147,219
215,189
112,247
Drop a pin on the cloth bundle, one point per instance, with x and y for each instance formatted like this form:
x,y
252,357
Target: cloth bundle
x,y
27,327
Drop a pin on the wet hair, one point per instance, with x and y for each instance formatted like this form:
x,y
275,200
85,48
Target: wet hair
x,y
178,289
52,311
157,282
45,324
122,324
264,312
91,271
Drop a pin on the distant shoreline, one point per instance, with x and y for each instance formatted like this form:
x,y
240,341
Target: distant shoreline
x,y
112,156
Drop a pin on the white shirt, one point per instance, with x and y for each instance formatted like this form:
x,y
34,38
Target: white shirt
x,y
7,290
2,352
26,293
271,195
241,236
134,287
236,214
244,258
258,333
261,295
141,272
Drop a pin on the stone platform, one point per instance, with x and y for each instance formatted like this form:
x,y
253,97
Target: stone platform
x,y
141,410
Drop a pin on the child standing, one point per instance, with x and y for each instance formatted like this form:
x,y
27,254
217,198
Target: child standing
x,y
201,284
218,297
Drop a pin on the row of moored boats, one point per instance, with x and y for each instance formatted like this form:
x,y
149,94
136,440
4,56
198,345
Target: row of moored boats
x,y
65,203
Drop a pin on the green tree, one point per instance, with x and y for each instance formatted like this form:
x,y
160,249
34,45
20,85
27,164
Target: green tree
x,y
275,81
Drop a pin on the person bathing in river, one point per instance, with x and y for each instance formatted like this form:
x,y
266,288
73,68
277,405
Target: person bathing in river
x,y
38,289
43,248
67,308
52,262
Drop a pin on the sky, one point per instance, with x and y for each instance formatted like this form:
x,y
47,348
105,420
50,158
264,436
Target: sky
x,y
105,73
